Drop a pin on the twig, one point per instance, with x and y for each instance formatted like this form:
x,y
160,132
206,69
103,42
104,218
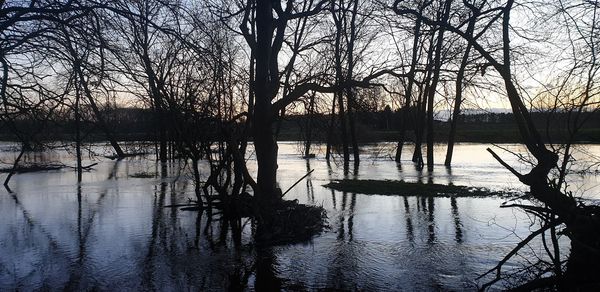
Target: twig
x,y
528,207
514,251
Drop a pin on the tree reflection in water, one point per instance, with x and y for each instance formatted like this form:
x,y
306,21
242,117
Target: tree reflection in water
x,y
114,232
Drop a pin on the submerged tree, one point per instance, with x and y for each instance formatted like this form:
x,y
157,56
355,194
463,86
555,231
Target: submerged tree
x,y
267,46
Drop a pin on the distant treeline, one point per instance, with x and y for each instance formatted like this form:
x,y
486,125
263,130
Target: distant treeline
x,y
139,124
474,127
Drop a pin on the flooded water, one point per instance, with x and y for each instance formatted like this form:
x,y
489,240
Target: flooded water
x,y
112,232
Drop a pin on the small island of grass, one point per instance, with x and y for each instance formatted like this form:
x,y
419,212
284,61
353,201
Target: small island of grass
x,y
401,188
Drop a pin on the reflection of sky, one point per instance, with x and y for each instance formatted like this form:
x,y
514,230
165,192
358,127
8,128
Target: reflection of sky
x,y
472,166
122,237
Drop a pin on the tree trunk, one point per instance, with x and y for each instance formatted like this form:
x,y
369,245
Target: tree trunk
x,y
309,125
86,90
339,79
458,99
264,140
352,122
349,93
14,168
330,131
78,135
421,108
99,117
434,82
582,222
197,188
408,92
345,149
419,125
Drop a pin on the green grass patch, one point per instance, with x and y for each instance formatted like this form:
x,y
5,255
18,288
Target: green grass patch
x,y
401,188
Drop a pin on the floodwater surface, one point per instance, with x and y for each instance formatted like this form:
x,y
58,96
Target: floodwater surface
x,y
112,231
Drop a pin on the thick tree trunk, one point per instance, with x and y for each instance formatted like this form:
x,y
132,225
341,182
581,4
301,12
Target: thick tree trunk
x,y
266,156
584,261
264,140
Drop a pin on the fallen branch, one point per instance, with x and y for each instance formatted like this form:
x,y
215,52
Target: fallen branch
x,y
297,182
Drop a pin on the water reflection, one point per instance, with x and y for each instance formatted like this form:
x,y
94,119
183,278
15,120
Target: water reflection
x,y
431,220
113,231
266,273
450,180
457,224
78,266
346,217
148,272
409,225
310,190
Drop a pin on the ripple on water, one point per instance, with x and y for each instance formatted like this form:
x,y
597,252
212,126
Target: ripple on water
x,y
114,234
